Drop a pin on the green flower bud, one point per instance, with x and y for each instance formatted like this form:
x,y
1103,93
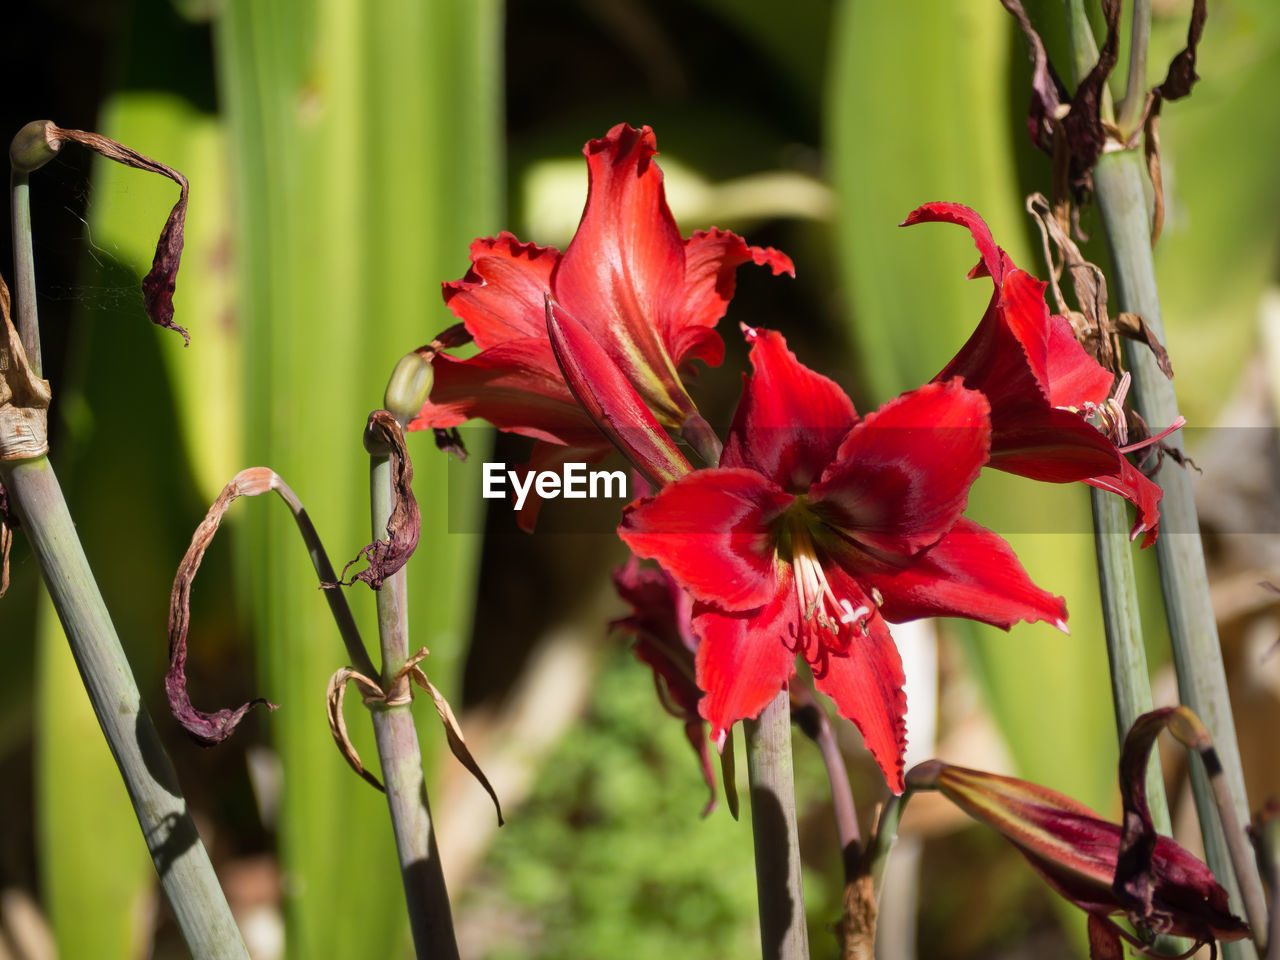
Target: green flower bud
x,y
409,387
34,146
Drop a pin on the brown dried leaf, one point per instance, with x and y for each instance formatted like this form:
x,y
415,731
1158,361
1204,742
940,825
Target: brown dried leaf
x,y
24,397
1135,328
338,724
1182,70
1083,123
387,556
206,728
1047,91
1151,150
452,731
6,542
158,285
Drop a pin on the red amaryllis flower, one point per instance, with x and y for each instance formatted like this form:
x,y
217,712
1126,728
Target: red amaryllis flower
x,y
818,526
1040,382
649,298
660,622
1102,868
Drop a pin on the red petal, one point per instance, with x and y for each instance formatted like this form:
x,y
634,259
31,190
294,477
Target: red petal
x,y
742,662
502,296
712,258
866,685
994,260
712,531
790,421
1007,355
1075,378
1044,443
625,266
1140,490
971,572
611,401
516,386
901,479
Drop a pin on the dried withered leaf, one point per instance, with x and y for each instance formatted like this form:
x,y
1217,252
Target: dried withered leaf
x,y
1047,91
24,397
338,724
856,928
1083,124
1182,70
387,556
1135,328
6,541
159,283
206,728
452,731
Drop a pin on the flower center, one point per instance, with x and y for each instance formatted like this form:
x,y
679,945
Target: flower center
x,y
829,622
813,591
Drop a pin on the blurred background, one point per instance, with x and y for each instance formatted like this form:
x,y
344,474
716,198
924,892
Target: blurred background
x,y
341,156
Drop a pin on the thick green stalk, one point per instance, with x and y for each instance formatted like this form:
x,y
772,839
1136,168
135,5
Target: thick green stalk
x,y
1135,89
428,901
1126,655
779,887
1202,682
180,858
24,268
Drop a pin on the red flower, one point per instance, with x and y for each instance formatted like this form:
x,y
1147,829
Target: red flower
x,y
816,528
1101,867
1040,382
649,298
660,623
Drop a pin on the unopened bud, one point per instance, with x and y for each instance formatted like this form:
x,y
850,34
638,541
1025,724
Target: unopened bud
x,y
409,387
34,146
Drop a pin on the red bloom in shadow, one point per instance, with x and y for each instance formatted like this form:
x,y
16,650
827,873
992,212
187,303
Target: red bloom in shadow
x,y
1103,868
660,622
1039,380
819,525
648,297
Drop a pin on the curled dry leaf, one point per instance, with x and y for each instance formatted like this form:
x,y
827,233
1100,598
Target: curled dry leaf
x,y
159,283
338,724
387,556
206,728
1094,326
6,540
399,693
24,397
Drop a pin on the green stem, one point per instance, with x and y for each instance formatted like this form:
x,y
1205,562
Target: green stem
x,y
1202,683
885,836
430,918
1135,90
24,269
1122,620
779,887
181,860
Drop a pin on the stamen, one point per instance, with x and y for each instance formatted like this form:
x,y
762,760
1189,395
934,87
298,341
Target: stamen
x,y
851,615
1177,424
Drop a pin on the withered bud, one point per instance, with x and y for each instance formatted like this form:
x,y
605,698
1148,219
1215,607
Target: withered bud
x,y
409,387
34,146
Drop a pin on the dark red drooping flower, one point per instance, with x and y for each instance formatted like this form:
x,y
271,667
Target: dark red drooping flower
x,y
820,525
1040,382
1103,868
660,623
649,298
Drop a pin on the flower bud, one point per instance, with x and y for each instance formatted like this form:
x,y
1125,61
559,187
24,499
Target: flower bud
x,y
409,387
34,146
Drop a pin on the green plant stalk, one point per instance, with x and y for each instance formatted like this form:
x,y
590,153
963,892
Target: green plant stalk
x,y
1122,619
24,269
1135,88
180,857
779,885
1197,655
430,918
